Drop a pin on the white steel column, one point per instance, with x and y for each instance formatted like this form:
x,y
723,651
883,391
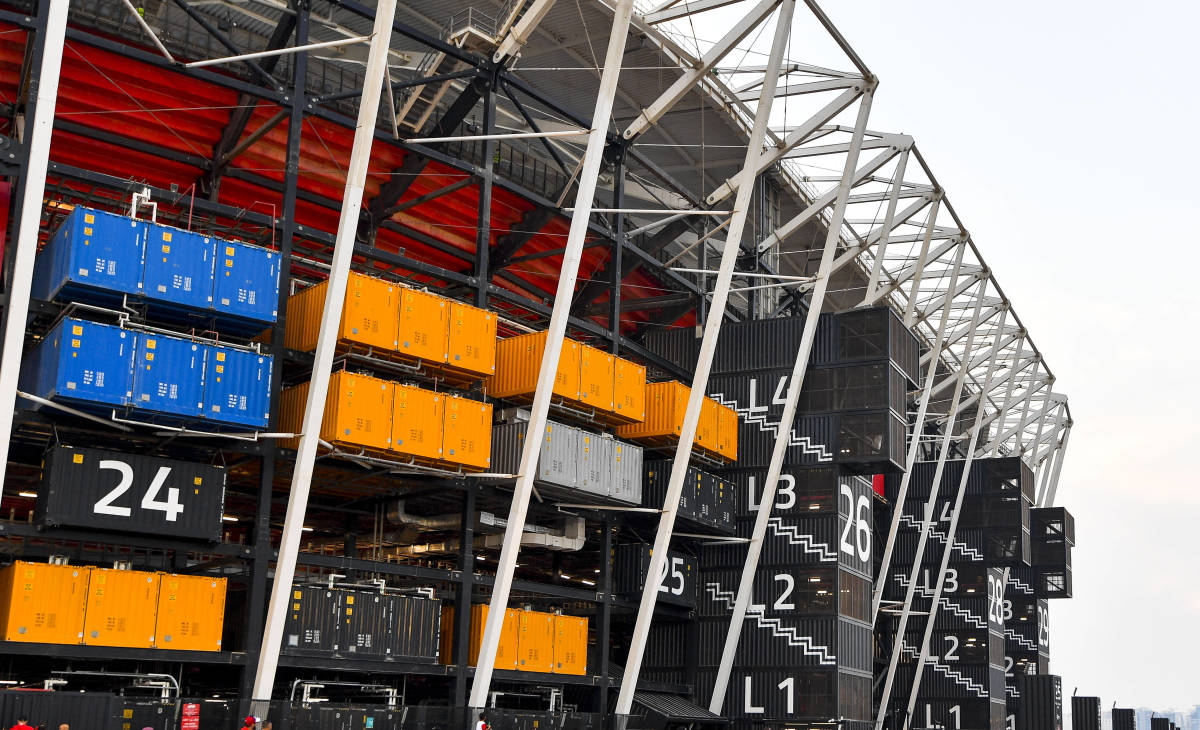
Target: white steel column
x,y
1048,501
39,131
314,409
910,308
784,433
556,330
708,346
927,515
1012,384
914,448
881,248
952,529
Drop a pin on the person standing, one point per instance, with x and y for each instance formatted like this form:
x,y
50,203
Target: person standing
x,y
22,724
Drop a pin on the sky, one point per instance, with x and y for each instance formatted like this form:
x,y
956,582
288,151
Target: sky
x,y
1057,128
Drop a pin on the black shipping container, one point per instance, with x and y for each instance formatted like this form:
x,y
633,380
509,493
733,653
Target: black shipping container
x,y
77,709
1040,704
312,622
1054,582
872,443
677,585
416,628
108,490
776,694
800,491
364,623
1052,523
1055,553
950,680
964,714
813,440
1161,723
1123,719
1006,475
654,490
1085,713
788,641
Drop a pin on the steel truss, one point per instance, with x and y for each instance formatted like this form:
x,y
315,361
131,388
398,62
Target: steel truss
x,y
889,235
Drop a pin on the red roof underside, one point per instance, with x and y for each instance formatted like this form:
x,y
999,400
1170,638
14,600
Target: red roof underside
x,y
118,95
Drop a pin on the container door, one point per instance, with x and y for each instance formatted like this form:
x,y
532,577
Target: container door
x,y
106,251
237,387
467,440
596,375
361,413
44,603
246,282
418,419
179,267
88,362
121,608
472,340
191,613
369,315
629,391
169,376
422,328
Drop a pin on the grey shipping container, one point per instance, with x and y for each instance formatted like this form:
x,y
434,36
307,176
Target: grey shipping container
x,y
311,628
102,490
1085,713
558,460
627,473
597,458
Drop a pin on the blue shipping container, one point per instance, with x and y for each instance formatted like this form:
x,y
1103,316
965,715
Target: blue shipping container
x,y
92,252
247,282
168,375
237,387
179,266
82,362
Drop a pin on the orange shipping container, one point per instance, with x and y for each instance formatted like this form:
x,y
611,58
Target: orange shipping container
x,y
43,603
418,417
358,411
510,633
629,391
535,648
596,376
472,340
191,613
422,329
727,432
368,314
122,607
665,404
706,429
518,361
467,438
570,644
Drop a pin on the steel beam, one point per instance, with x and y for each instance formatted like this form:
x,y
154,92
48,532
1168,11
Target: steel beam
x,y
593,157
44,90
306,451
708,344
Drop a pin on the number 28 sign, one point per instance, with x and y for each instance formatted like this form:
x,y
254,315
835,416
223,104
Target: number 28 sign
x,y
131,493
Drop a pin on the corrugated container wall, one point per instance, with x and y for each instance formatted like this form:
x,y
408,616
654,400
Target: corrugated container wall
x,y
246,283
93,254
43,603
423,327
368,315
168,376
121,608
82,362
191,613
311,627
1041,702
237,386
535,645
358,411
570,644
1085,713
178,267
471,344
418,422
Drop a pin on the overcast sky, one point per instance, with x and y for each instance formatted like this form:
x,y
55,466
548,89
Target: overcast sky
x,y
1058,131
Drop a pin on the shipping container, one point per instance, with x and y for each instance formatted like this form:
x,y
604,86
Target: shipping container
x,y
237,386
75,709
789,695
597,377
1085,713
665,406
1123,719
799,491
519,360
706,427
510,633
472,341
93,255
358,412
535,644
1052,523
369,316
423,327
1041,702
627,473
191,613
654,490
1003,475
813,441
416,628
98,489
558,458
246,284
789,642
168,376
43,603
418,422
629,391
178,267
1050,553
122,607
312,622
960,714
596,465
82,363
570,644
677,585
364,622
467,434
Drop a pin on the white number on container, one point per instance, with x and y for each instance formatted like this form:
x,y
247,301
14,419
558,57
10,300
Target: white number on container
x,y
676,575
789,586
856,519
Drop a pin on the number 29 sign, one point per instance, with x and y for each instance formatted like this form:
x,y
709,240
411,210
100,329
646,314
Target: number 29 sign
x,y
130,493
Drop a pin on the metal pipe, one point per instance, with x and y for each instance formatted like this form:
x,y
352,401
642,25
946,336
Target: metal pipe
x,y
654,211
557,328
276,52
783,434
37,161
306,451
500,135
148,30
708,346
